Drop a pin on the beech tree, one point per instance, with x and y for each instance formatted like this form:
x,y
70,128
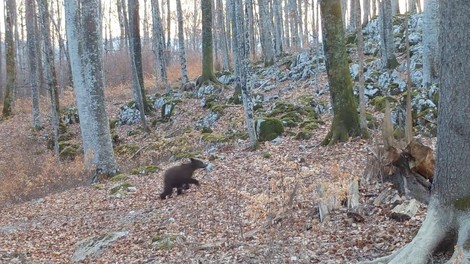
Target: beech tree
x,y
135,51
389,61
207,50
84,36
241,65
448,213
266,33
181,49
430,28
346,119
33,61
158,44
10,53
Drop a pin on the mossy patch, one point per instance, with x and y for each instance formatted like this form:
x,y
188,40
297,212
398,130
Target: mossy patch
x,y
214,138
145,170
120,187
119,177
463,204
303,134
68,153
126,149
268,128
164,243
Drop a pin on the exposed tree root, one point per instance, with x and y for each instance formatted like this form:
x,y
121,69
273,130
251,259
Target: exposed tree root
x,y
440,223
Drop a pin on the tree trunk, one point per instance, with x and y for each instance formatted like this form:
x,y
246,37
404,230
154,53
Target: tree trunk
x,y
182,52
241,66
33,62
411,7
121,15
360,54
278,49
158,44
135,51
366,16
207,50
51,73
346,119
266,36
223,37
430,32
84,37
389,61
449,208
10,52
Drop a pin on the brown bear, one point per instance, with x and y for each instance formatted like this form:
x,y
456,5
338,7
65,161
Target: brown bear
x,y
180,177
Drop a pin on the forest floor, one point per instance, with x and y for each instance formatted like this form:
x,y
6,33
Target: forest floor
x,y
252,207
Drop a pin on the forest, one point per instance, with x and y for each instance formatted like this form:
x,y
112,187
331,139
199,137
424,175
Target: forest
x,y
234,131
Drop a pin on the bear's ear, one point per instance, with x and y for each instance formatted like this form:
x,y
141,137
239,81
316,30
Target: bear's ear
x,y
192,160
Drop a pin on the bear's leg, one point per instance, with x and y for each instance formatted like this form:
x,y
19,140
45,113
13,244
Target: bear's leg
x,y
167,190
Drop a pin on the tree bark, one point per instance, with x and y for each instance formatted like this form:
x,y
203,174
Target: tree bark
x,y
360,54
346,119
181,51
389,61
449,208
84,35
158,44
266,33
10,53
135,51
241,69
430,33
207,50
33,61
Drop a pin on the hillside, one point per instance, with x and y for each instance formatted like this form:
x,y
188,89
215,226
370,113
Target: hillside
x,y
259,206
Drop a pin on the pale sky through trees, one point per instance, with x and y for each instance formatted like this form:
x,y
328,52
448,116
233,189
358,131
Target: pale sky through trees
x,y
187,5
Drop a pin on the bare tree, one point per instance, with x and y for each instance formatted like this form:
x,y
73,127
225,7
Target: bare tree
x,y
50,71
223,36
10,52
239,29
158,44
447,218
360,54
33,62
430,32
84,35
182,52
207,50
266,33
135,50
389,61
278,48
345,119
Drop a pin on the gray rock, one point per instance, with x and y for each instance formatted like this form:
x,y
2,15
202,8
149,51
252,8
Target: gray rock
x,y
93,246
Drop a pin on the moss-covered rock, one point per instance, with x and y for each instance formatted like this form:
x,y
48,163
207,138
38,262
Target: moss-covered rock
x,y
268,128
145,170
303,134
121,187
